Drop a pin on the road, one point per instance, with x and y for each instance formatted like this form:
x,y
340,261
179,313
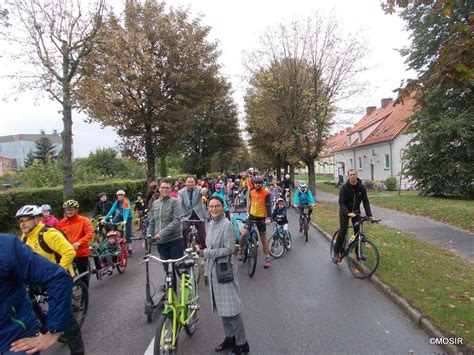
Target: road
x,y
303,304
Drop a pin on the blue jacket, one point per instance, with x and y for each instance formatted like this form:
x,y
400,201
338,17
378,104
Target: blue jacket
x,y
279,215
125,213
303,198
19,266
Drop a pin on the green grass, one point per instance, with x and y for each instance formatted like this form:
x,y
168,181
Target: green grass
x,y
436,282
453,211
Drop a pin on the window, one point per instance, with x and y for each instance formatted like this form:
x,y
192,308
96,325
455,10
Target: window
x,y
352,166
387,161
360,163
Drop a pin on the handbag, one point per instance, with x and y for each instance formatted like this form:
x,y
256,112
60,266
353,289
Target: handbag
x,y
224,272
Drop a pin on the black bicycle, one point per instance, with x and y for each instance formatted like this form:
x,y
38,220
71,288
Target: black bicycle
x,y
304,219
279,241
250,249
361,253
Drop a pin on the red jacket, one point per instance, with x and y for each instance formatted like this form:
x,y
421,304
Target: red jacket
x,y
78,229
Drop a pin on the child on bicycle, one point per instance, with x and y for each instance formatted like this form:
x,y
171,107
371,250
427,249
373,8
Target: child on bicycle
x,y
108,250
279,215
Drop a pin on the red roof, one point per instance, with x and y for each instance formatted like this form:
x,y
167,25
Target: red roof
x,y
389,122
335,142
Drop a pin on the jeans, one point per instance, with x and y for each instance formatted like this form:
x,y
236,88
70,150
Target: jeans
x,y
344,225
171,250
109,258
73,336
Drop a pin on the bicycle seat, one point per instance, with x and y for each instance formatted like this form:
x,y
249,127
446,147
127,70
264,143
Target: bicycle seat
x,y
185,264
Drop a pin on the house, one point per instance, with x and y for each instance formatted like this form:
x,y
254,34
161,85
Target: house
x,y
18,146
325,163
6,165
375,144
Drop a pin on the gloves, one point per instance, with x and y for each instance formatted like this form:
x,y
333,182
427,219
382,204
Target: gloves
x,y
351,214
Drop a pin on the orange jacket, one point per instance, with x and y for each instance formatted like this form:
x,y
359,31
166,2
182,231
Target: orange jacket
x,y
260,204
78,229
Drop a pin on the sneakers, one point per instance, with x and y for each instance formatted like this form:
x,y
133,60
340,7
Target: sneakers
x,y
240,349
130,253
110,271
240,255
228,343
267,262
337,258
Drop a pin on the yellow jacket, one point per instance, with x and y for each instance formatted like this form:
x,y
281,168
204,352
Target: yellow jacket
x,y
56,242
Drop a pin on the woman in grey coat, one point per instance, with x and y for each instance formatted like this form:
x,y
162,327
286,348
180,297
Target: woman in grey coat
x,y
225,297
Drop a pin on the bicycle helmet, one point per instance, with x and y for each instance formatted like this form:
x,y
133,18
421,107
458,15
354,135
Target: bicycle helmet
x,y
71,204
153,185
102,194
45,207
120,192
279,199
257,179
302,183
139,195
113,234
287,176
29,211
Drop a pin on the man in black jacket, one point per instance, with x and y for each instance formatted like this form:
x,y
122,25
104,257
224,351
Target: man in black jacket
x,y
102,207
352,193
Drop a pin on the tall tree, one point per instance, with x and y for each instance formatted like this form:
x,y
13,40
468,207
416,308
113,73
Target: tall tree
x,y
44,150
151,68
54,36
214,130
302,70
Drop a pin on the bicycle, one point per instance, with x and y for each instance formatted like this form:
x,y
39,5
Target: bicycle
x,y
279,241
179,310
362,254
192,242
150,304
250,249
305,219
286,196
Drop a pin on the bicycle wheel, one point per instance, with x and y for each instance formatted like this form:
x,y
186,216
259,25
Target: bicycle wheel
x,y
193,306
288,240
305,229
276,245
363,260
80,301
164,336
252,257
122,263
333,244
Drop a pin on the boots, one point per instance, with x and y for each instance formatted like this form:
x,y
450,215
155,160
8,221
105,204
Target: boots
x,y
227,344
240,349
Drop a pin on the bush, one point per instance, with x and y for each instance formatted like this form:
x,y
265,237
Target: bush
x,y
391,183
86,195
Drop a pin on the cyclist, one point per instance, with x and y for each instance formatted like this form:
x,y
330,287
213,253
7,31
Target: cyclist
x,y
19,265
191,206
79,232
123,206
48,219
102,207
139,207
259,211
221,193
109,250
53,245
279,215
149,195
352,193
286,185
275,192
303,196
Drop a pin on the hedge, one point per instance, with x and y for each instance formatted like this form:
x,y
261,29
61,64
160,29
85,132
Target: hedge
x,y
86,195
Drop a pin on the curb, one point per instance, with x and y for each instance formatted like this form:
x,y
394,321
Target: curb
x,y
415,315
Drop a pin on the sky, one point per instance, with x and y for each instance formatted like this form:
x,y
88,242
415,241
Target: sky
x,y
237,26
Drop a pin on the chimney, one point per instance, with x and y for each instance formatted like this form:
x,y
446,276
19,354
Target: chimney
x,y
370,109
341,132
385,102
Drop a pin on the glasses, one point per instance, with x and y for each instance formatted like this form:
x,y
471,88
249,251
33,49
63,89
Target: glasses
x,y
165,188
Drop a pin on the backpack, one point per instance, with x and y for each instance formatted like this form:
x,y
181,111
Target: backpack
x,y
45,246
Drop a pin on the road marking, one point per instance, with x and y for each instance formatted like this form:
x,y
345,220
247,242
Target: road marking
x,y
149,350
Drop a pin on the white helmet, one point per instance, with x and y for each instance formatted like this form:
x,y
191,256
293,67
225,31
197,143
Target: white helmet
x,y
120,192
287,176
29,211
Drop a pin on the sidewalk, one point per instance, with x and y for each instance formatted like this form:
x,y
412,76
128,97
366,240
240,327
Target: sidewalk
x,y
440,234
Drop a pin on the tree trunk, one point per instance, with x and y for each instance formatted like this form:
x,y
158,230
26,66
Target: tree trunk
x,y
150,153
311,176
278,173
68,187
163,167
292,173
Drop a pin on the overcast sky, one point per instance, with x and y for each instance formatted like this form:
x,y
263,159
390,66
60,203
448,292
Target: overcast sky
x,y
237,26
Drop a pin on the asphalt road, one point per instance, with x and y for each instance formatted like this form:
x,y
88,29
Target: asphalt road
x,y
303,304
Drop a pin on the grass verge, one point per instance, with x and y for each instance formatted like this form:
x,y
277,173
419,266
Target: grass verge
x,y
437,283
456,212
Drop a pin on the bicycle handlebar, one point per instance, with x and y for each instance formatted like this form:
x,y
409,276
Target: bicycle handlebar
x,y
149,257
192,220
369,219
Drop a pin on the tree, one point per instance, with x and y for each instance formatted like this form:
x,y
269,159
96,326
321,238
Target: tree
x,y
45,150
150,70
301,71
214,130
442,47
55,36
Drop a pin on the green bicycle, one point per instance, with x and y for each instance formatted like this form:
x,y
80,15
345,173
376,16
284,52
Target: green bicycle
x,y
180,310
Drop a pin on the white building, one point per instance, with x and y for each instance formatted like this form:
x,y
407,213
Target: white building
x,y
18,146
375,144
325,164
